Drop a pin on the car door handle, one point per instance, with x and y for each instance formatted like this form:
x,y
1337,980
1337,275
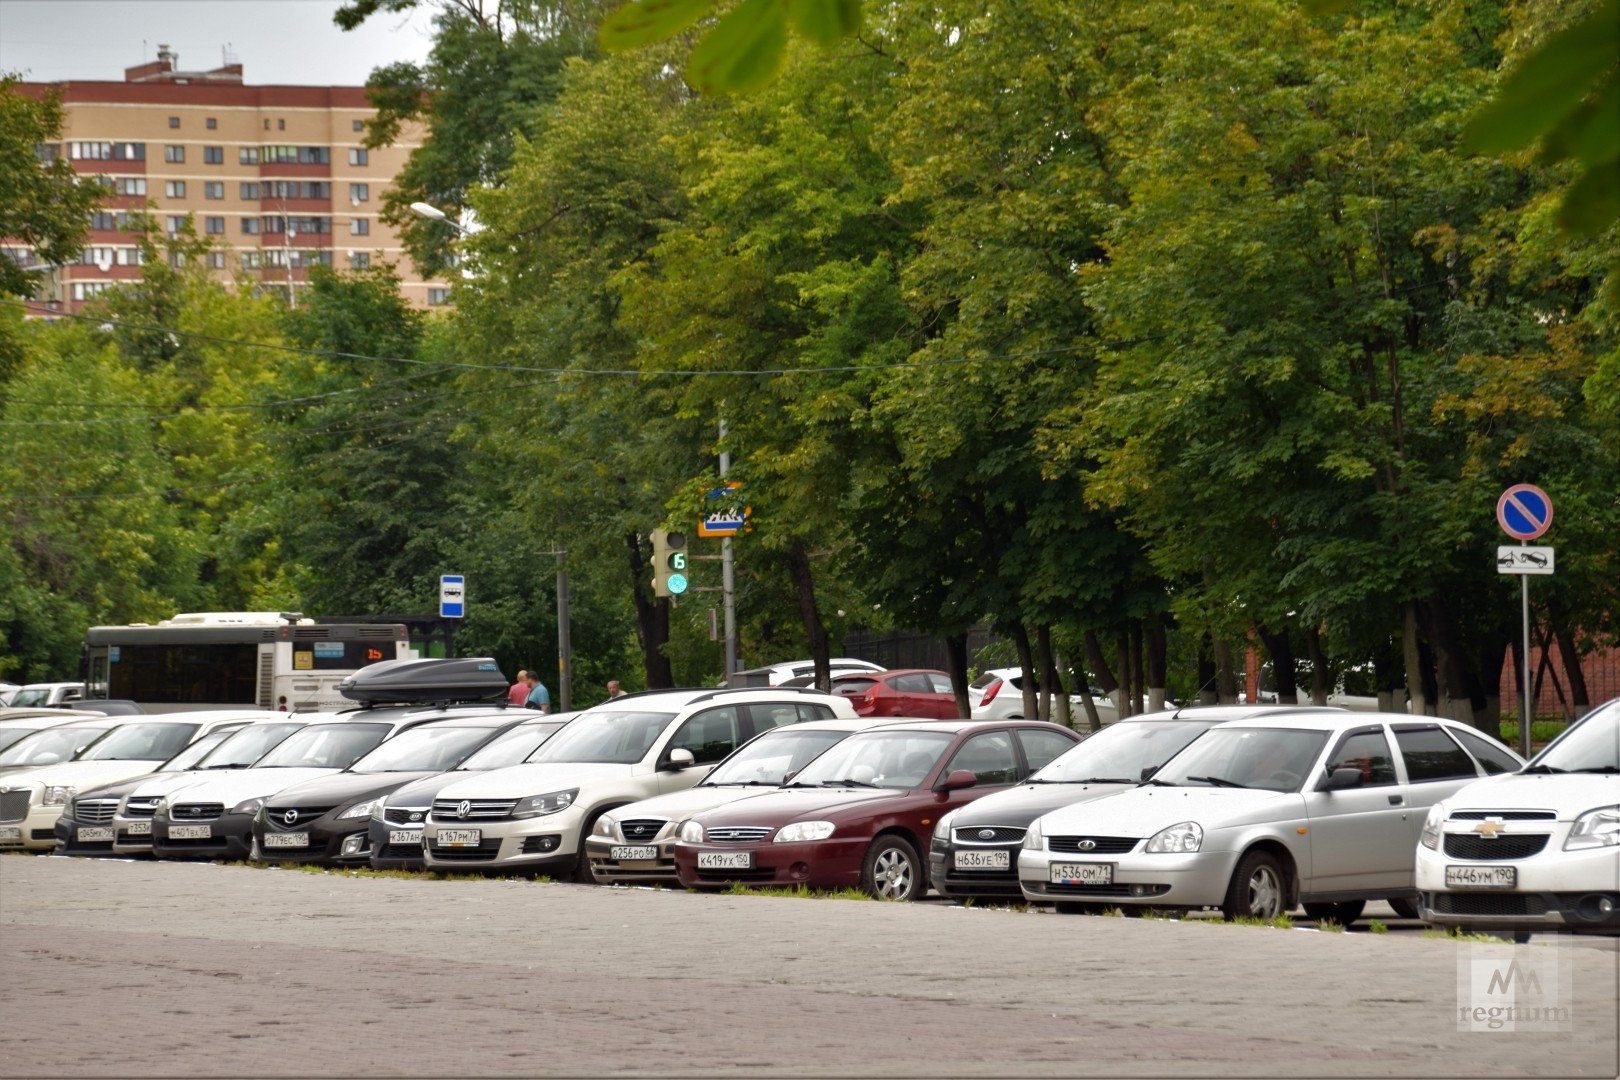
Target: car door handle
x,y
1394,800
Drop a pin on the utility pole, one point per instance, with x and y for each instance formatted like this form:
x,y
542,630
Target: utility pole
x,y
565,645
728,577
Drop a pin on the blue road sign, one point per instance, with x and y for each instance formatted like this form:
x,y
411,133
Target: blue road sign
x,y
1524,511
452,596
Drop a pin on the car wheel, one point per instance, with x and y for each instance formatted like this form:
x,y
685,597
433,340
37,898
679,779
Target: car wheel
x,y
1344,913
1404,908
1521,937
1256,891
892,870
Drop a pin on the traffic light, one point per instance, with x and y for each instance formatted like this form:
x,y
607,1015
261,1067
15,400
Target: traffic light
x,y
669,563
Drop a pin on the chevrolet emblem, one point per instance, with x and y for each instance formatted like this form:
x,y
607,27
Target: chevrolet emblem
x,y
1490,828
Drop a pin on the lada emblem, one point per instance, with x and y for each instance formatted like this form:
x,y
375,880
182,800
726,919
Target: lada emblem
x,y
987,834
290,817
1490,828
1087,845
464,808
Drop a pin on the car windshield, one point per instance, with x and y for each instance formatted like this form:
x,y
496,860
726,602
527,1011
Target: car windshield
x,y
513,747
27,698
769,758
188,757
248,745
325,746
606,736
1119,752
423,749
14,733
1272,759
141,742
1592,745
890,759
50,746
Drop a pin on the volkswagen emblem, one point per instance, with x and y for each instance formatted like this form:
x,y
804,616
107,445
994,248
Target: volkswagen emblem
x,y
290,817
987,834
464,808
1087,845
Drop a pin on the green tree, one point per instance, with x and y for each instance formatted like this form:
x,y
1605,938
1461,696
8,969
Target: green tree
x,y
47,205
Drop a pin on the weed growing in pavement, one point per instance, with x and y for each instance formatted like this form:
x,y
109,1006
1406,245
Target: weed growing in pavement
x,y
1283,921
1456,934
1376,927
1243,920
795,892
1328,926
1114,913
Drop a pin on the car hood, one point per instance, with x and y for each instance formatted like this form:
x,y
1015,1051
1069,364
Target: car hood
x,y
1143,811
680,805
169,782
1023,804
521,781
343,787
124,787
82,775
796,804
421,793
240,784
1567,794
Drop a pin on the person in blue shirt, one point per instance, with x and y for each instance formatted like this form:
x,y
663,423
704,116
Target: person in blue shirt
x,y
539,696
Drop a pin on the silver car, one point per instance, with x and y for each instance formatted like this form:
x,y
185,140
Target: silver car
x,y
1258,816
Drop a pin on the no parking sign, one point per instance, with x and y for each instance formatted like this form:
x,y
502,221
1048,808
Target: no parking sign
x,y
1524,511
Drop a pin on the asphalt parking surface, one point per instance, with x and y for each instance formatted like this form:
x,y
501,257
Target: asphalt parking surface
x,y
140,969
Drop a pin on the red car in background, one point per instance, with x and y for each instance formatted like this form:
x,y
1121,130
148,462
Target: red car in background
x,y
861,814
920,692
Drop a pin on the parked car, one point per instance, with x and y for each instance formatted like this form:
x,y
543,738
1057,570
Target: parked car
x,y
636,843
535,817
110,707
1536,849
328,819
859,815
784,673
6,690
31,799
18,724
397,819
915,692
34,695
55,744
999,695
1256,816
974,850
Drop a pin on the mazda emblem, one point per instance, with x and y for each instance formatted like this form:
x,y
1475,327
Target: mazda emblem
x,y
1087,845
987,834
464,809
290,817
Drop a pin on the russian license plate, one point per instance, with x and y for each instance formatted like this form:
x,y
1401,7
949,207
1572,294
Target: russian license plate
x,y
725,860
632,854
1082,873
982,860
1481,877
283,839
140,828
404,836
10,832
94,834
190,832
458,837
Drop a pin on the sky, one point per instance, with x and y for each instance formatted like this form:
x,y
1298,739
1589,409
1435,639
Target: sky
x,y
276,41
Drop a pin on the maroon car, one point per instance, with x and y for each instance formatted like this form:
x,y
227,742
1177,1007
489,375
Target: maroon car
x,y
861,814
902,692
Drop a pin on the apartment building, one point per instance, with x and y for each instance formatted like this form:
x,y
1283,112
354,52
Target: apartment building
x,y
277,177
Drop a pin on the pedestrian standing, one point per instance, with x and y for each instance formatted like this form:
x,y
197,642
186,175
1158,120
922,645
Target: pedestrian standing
x,y
613,689
539,697
518,693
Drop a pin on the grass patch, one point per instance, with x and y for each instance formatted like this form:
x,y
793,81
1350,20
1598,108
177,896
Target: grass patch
x,y
792,892
1284,921
368,872
1456,933
1328,926
1376,927
1542,732
1114,913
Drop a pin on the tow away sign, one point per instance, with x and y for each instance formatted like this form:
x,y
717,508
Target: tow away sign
x,y
1524,559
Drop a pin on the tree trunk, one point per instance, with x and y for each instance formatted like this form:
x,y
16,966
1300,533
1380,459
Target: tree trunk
x,y
815,631
1098,663
1570,656
1418,701
1282,663
1122,697
1138,674
1455,700
1320,685
1026,663
1488,717
1093,720
1055,706
1226,691
1156,649
1207,693
652,617
956,650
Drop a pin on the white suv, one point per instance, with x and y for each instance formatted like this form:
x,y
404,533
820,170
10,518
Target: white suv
x,y
999,695
535,817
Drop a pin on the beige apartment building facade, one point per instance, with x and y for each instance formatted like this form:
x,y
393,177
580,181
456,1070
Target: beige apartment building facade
x,y
277,178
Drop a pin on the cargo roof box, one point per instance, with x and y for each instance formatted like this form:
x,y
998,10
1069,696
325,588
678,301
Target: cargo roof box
x,y
410,682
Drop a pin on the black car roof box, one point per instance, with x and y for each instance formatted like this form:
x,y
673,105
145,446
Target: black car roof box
x,y
405,682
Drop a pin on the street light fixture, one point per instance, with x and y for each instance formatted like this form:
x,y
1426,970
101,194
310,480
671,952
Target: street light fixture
x,y
433,213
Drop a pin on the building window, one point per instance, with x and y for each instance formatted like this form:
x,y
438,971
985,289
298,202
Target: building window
x,y
84,290
248,155
216,260
295,155
296,189
103,220
176,224
267,124
359,226
214,226
127,185
214,189
281,125
252,260
359,193
359,260
174,121
174,189
359,125
177,259
212,123
250,226
174,155
359,157
107,151
130,256
213,155
438,297
250,191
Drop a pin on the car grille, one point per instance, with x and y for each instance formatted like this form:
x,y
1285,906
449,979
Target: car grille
x,y
401,815
477,809
197,811
999,834
1481,903
95,811
484,852
13,805
411,852
178,843
1505,815
737,834
139,810
278,816
955,875
1461,846
1089,890
1100,845
634,829
756,874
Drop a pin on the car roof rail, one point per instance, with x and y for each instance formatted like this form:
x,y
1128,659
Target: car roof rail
x,y
718,691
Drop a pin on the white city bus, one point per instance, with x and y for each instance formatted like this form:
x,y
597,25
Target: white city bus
x,y
275,660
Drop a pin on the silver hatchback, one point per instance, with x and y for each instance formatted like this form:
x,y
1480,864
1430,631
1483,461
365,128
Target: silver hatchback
x,y
1257,816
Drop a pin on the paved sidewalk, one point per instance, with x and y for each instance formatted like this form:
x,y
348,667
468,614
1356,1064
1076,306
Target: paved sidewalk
x,y
158,969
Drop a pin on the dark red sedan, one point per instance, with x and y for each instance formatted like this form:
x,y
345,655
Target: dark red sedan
x,y
903,692
860,815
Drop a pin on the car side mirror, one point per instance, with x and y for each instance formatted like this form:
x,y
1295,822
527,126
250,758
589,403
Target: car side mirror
x,y
1339,779
680,758
957,779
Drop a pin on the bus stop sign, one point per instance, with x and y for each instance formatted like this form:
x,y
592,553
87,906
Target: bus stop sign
x,y
1524,511
452,596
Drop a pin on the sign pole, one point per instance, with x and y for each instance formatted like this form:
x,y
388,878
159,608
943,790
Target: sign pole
x,y
1525,512
728,574
1527,714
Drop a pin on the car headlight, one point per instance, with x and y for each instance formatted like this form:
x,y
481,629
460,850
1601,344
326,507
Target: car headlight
x,y
1033,840
603,827
1181,837
1430,837
1595,829
800,831
246,806
691,832
942,828
363,809
57,795
541,805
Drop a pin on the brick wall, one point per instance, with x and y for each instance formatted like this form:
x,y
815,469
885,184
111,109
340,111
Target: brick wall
x,y
1602,671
